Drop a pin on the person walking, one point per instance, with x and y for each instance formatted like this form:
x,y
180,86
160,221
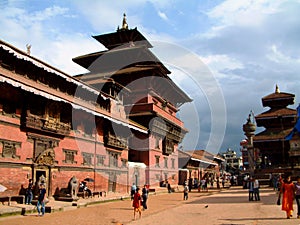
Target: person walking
x,y
287,191
185,192
29,194
251,189
132,191
137,203
145,193
169,187
297,196
256,189
41,200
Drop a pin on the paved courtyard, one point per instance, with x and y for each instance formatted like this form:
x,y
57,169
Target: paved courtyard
x,y
229,206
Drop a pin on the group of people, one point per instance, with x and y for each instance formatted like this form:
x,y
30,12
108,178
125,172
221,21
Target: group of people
x,y
253,186
41,200
139,200
287,193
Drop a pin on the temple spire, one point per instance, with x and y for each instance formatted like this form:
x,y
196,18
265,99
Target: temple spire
x,y
277,89
124,24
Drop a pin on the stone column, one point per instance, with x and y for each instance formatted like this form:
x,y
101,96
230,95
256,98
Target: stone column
x,y
249,128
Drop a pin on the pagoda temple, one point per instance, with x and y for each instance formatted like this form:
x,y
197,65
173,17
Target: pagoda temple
x,y
129,71
278,122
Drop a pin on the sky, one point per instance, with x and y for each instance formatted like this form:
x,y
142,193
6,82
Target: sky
x,y
225,54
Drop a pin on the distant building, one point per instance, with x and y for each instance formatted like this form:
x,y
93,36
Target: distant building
x,y
232,161
198,164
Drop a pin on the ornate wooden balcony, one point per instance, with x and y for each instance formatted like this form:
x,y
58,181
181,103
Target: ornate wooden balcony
x,y
115,141
49,125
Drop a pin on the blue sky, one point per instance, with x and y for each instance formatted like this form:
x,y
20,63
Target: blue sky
x,y
248,47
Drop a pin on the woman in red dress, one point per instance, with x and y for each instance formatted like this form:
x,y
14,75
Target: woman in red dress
x,y
137,203
287,189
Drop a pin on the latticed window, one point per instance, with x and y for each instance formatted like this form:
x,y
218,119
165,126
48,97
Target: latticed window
x,y
157,161
100,160
113,159
9,148
156,142
173,163
70,156
166,162
87,158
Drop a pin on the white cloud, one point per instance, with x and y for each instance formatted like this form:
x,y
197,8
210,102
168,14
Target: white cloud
x,y
163,15
277,56
245,12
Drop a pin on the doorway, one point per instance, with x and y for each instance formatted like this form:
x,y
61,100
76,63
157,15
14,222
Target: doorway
x,y
41,175
112,182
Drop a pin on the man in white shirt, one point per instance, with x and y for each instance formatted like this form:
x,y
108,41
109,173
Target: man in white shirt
x,y
256,189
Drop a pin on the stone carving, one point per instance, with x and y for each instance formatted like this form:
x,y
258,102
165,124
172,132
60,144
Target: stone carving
x,y
73,184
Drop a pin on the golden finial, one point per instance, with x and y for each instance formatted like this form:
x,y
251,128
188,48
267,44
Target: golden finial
x,y
277,89
124,24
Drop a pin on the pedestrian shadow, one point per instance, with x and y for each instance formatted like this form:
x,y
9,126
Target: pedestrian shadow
x,y
231,199
125,209
253,219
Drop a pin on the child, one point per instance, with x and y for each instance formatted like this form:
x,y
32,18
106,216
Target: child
x,y
137,203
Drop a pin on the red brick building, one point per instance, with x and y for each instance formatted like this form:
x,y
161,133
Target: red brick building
x,y
54,126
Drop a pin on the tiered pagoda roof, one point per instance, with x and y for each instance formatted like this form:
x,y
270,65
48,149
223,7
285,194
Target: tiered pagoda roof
x,y
128,57
279,119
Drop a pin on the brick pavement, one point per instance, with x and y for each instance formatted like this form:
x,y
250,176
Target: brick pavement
x,y
228,207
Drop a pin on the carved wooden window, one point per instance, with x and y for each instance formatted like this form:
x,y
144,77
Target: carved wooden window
x,y
124,162
157,161
100,160
173,163
165,162
113,159
9,148
70,156
157,142
87,158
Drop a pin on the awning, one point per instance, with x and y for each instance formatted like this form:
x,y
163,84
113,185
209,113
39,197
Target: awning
x,y
137,164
